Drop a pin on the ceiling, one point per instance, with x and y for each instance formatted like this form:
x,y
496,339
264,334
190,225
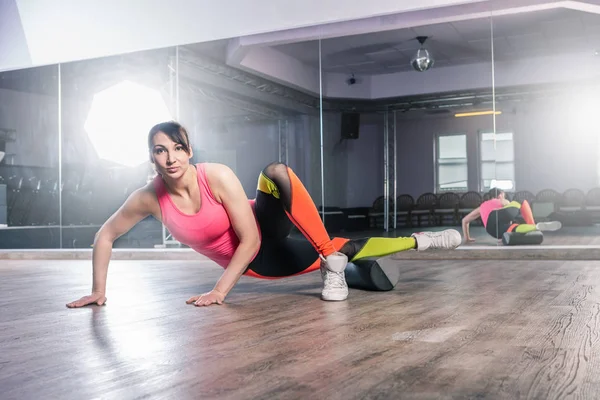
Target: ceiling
x,y
517,36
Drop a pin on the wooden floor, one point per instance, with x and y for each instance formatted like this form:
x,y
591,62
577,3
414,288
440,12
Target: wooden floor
x,y
450,330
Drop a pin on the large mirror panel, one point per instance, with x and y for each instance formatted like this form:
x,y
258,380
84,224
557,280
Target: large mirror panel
x,y
30,158
546,133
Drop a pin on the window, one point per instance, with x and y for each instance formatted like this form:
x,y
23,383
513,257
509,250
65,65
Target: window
x,y
452,172
497,161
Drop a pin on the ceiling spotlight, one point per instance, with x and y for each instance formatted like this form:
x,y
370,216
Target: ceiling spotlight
x,y
422,61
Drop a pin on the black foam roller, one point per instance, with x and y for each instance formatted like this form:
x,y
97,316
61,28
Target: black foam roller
x,y
372,274
516,238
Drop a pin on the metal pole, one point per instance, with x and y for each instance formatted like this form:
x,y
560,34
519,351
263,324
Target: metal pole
x,y
493,101
285,144
60,224
386,172
395,174
283,141
174,94
279,125
177,116
321,134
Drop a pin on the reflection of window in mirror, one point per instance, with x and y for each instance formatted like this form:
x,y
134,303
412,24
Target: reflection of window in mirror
x,y
451,163
497,161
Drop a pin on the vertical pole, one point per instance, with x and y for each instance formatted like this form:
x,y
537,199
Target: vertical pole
x,y
321,133
395,174
283,141
177,116
60,163
279,126
386,172
174,94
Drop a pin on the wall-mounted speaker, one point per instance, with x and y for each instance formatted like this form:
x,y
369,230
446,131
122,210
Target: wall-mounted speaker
x,y
350,125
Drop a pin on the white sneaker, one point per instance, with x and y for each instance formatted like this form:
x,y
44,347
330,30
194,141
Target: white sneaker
x,y
548,226
448,239
335,262
335,287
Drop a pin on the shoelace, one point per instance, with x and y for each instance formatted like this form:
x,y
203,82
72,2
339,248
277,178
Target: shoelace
x,y
433,234
334,279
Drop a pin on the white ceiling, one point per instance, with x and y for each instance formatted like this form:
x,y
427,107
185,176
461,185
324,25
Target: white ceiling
x,y
37,32
516,36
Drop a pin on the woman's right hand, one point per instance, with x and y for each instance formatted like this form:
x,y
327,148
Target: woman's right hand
x,y
95,297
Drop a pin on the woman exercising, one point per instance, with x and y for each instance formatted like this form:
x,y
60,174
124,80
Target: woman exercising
x,y
500,215
205,207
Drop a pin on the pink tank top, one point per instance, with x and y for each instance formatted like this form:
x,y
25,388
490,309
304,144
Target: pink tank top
x,y
209,231
487,207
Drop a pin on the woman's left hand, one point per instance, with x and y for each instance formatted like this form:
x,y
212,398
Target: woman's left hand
x,y
206,299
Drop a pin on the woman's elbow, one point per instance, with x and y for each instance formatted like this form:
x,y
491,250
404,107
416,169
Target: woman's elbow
x,y
253,241
104,235
256,242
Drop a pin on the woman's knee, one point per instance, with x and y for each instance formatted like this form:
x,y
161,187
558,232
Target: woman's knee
x,y
276,171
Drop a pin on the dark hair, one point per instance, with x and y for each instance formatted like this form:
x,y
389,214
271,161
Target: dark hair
x,y
174,131
495,192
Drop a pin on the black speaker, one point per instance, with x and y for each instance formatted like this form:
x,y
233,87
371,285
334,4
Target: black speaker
x,y
350,125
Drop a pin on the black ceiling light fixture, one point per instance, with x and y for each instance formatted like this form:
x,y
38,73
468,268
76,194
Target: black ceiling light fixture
x,y
422,61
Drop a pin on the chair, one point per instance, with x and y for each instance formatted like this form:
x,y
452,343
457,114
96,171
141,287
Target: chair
x,y
545,203
404,206
424,207
468,202
572,200
592,203
376,213
447,206
523,195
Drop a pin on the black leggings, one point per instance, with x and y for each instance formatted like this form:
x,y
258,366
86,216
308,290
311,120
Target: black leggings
x,y
280,255
282,202
499,221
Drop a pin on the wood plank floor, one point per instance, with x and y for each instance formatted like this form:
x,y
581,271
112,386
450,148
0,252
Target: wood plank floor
x,y
450,330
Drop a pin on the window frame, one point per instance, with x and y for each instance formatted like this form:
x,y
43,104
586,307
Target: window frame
x,y
480,180
436,158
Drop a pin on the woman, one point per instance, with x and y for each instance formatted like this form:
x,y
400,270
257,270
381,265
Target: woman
x,y
500,215
205,207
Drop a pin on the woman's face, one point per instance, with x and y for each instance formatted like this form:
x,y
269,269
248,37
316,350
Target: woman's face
x,y
169,158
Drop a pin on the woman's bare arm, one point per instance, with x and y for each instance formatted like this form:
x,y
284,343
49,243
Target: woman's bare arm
x,y
472,216
137,207
229,191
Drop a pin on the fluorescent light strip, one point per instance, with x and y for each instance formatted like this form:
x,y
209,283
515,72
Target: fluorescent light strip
x,y
477,113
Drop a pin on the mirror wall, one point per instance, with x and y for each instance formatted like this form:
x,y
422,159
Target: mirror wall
x,y
30,158
73,137
415,162
546,95
391,130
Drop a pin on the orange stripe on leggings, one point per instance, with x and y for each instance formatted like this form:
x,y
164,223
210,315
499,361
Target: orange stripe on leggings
x,y
305,216
338,243
526,213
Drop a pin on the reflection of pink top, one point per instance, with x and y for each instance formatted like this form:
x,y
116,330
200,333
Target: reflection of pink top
x,y
487,207
209,231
